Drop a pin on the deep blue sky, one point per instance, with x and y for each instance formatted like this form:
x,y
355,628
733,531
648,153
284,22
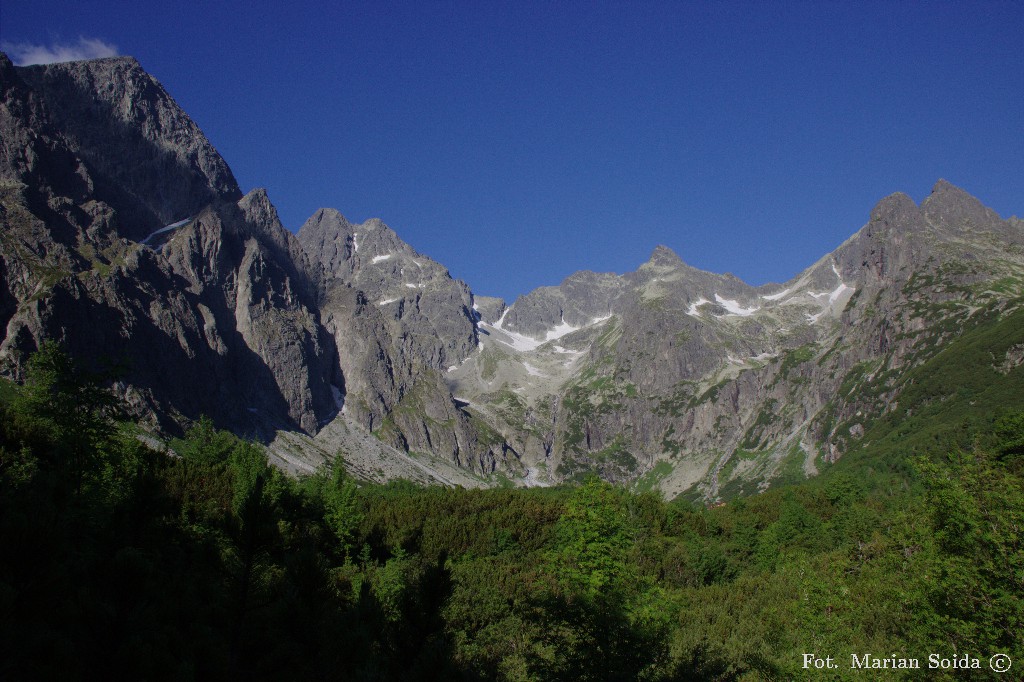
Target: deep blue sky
x,y
517,142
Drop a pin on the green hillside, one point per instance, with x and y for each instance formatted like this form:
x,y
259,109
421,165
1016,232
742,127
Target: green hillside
x,y
127,563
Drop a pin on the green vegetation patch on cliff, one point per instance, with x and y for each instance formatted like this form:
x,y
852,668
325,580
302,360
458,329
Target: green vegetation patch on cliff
x,y
946,399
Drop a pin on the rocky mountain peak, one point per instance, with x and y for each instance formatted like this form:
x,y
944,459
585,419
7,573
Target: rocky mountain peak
x,y
950,208
663,256
328,237
946,195
150,160
416,297
697,377
257,208
328,220
897,209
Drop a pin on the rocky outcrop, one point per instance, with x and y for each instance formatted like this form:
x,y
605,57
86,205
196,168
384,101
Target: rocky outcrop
x,y
728,384
147,158
124,235
431,311
399,321
219,316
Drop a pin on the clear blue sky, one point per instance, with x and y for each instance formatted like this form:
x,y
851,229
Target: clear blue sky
x,y
517,142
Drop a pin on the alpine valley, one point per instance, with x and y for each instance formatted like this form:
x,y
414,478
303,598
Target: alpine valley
x,y
125,237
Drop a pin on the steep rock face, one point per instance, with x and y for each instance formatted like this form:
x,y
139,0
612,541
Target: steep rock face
x,y
238,261
432,310
691,381
217,316
33,150
488,308
932,273
706,384
46,204
231,322
399,320
582,297
375,374
148,159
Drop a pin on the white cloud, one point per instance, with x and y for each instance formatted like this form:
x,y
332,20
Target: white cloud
x,y
23,54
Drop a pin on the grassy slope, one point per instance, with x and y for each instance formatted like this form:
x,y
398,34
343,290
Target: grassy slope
x,y
947,401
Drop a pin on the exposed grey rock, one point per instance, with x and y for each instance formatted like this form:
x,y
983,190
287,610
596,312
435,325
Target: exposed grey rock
x,y
399,321
148,158
366,457
433,312
489,308
221,320
694,367
123,234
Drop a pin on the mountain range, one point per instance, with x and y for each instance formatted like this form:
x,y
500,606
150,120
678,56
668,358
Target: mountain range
x,y
125,237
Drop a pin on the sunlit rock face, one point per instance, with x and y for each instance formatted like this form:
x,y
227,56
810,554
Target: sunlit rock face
x,y
124,235
147,158
127,239
700,383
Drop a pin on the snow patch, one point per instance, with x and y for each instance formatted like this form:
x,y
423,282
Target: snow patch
x,y
418,285
501,320
559,349
839,291
379,259
521,342
386,301
561,330
833,296
533,371
517,341
734,308
778,296
167,228
693,312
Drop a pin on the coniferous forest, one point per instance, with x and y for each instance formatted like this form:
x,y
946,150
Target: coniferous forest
x,y
121,561
509,419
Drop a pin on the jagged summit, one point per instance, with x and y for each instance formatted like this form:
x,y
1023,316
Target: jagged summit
x,y
331,215
947,195
894,209
124,230
665,257
951,208
126,60
149,159
218,317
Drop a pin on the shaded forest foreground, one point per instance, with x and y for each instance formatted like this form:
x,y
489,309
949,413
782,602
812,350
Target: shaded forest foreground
x,y
122,562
